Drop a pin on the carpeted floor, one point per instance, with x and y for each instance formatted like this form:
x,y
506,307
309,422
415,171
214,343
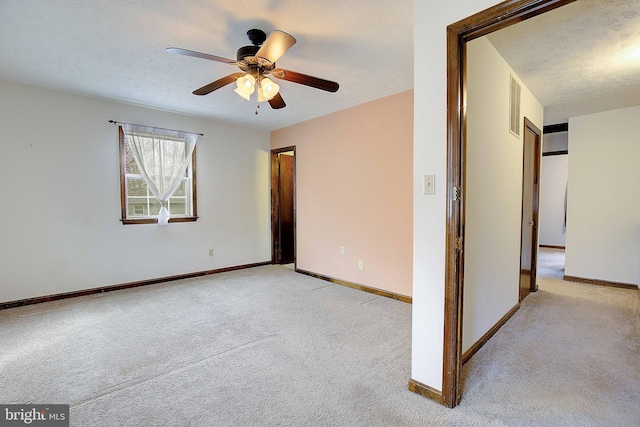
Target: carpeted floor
x,y
569,357
268,346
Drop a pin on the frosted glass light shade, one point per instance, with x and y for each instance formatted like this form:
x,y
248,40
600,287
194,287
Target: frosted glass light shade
x,y
267,90
246,84
246,96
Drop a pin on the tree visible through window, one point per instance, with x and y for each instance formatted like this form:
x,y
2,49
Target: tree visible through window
x,y
139,204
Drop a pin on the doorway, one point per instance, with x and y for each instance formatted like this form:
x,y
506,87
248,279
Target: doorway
x,y
530,202
554,184
458,34
283,223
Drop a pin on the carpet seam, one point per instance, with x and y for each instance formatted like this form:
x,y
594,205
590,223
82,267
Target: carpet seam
x,y
164,374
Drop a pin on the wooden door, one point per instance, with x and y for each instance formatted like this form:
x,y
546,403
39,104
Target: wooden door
x,y
286,166
530,194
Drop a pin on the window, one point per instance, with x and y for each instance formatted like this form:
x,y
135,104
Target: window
x,y
139,203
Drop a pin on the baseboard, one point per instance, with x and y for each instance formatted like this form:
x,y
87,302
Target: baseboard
x,y
357,286
426,391
600,282
487,336
75,294
552,247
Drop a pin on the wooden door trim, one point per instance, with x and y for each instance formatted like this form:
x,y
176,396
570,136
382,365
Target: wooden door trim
x,y
555,153
458,34
560,127
275,203
536,201
529,126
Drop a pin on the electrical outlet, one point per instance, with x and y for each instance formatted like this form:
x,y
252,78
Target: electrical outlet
x,y
343,250
210,252
360,264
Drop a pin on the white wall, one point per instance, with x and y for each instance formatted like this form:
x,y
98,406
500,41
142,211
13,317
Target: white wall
x,y
603,222
59,176
429,212
554,172
493,191
555,141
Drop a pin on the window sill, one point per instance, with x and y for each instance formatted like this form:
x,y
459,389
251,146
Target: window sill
x,y
130,221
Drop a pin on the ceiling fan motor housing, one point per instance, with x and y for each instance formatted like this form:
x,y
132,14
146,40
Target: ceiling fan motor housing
x,y
256,37
246,51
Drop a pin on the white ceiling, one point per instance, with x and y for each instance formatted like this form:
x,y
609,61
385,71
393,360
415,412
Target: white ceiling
x,y
579,59
115,49
570,58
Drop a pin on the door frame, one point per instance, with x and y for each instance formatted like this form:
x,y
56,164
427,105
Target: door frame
x,y
528,125
275,204
458,34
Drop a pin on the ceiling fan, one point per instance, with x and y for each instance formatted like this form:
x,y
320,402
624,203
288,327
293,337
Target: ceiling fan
x,y
256,62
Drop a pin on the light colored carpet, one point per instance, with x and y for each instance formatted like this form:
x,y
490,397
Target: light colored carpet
x,y
570,356
268,346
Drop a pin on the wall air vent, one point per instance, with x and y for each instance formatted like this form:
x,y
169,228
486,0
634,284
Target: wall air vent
x,y
514,107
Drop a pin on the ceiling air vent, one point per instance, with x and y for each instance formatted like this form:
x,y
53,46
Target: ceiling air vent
x,y
514,107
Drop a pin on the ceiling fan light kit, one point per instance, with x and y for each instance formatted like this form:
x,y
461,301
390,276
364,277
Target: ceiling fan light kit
x,y
256,62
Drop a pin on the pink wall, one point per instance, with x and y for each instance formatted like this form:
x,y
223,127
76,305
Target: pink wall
x,y
354,177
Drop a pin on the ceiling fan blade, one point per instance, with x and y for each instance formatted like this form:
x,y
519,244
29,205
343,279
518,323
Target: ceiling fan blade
x,y
275,46
306,80
204,90
277,102
201,55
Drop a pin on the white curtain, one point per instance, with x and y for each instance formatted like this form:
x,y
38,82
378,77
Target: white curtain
x,y
163,157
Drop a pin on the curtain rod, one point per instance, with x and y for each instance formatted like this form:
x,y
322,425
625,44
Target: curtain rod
x,y
173,130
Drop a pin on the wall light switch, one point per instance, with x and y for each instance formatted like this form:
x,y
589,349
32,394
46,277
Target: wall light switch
x,y
343,250
360,264
429,185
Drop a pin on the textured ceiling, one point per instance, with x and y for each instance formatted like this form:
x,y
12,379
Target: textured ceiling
x,y
579,59
115,49
573,59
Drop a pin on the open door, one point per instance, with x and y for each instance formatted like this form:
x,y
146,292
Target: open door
x,y
530,197
283,205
